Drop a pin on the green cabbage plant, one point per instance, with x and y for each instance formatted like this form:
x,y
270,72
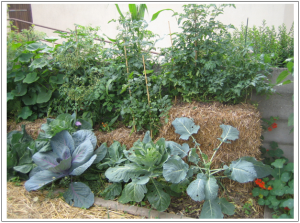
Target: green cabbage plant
x,y
71,155
204,186
143,174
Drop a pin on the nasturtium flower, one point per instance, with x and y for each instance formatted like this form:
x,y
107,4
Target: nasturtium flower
x,y
274,125
270,188
270,129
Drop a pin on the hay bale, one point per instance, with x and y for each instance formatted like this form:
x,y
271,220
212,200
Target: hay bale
x,y
209,116
121,134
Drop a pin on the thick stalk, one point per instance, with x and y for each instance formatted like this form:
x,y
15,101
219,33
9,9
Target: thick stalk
x,y
194,140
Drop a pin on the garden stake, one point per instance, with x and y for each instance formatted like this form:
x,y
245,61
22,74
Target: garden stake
x,y
173,60
128,81
147,90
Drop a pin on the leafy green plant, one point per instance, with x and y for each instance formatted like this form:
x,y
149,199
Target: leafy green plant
x,y
137,11
144,171
80,58
204,64
277,191
32,79
247,208
265,40
204,186
71,155
280,81
20,149
271,123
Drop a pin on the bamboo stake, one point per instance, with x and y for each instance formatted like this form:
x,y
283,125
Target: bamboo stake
x,y
147,90
172,46
128,81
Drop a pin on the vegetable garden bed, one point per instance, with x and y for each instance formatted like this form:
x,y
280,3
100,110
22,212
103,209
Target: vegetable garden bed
x,y
238,194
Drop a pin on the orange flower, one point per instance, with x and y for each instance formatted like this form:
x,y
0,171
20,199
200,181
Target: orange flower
x,y
269,129
274,125
270,188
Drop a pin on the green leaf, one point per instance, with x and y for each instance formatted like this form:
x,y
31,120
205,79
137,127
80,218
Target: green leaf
x,y
147,137
159,199
227,207
155,15
135,192
211,209
211,188
25,113
19,76
101,153
289,167
51,39
112,191
278,163
193,156
196,189
25,57
38,63
35,46
180,186
120,11
185,127
44,96
282,76
175,169
288,203
242,171
108,85
133,11
177,149
30,78
119,173
261,169
285,177
124,87
26,168
229,133
10,96
79,195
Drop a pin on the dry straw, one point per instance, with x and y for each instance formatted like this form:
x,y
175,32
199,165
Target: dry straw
x,y
209,116
37,205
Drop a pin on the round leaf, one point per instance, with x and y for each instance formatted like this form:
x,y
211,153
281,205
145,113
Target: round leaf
x,y
30,78
175,170
196,189
25,57
79,195
185,127
25,113
29,99
44,96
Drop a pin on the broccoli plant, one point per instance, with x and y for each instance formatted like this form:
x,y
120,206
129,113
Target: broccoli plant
x,y
143,174
204,186
71,155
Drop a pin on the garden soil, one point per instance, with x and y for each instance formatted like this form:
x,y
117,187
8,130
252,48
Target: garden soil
x,y
209,116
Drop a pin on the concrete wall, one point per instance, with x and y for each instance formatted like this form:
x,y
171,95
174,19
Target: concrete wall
x,y
65,15
281,105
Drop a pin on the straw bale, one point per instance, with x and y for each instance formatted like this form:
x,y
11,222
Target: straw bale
x,y
209,116
121,134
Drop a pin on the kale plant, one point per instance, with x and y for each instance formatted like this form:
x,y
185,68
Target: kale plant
x,y
204,186
71,155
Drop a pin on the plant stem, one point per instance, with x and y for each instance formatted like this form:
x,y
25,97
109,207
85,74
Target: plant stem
x,y
194,140
147,91
215,152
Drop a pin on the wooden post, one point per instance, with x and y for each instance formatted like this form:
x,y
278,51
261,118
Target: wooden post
x,y
147,90
128,81
172,46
